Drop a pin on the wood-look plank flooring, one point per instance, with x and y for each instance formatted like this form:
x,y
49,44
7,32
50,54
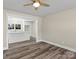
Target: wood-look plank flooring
x,y
40,50
22,43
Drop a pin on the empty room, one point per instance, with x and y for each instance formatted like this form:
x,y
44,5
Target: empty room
x,y
39,29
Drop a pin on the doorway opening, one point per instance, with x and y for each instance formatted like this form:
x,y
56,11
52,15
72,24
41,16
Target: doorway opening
x,y
20,30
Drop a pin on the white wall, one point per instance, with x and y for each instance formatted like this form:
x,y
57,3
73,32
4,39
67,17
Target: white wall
x,y
60,28
20,36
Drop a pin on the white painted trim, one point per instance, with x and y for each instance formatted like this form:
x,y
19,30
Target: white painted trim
x,y
6,32
5,48
58,45
36,25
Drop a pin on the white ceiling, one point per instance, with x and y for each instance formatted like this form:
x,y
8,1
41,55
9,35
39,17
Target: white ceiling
x,y
55,6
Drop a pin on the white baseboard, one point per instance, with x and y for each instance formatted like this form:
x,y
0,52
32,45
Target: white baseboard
x,y
5,48
58,45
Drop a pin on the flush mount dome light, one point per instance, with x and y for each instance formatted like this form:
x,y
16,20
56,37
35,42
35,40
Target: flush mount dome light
x,y
36,4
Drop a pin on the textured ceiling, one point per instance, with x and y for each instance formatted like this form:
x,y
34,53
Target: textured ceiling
x,y
55,6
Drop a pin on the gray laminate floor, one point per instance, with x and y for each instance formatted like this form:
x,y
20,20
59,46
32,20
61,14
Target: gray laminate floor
x,y
22,43
40,50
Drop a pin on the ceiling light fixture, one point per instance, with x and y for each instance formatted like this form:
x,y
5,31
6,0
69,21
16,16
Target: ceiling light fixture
x,y
36,4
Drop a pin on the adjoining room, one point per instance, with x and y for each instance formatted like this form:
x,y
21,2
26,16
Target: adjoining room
x,y
39,29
